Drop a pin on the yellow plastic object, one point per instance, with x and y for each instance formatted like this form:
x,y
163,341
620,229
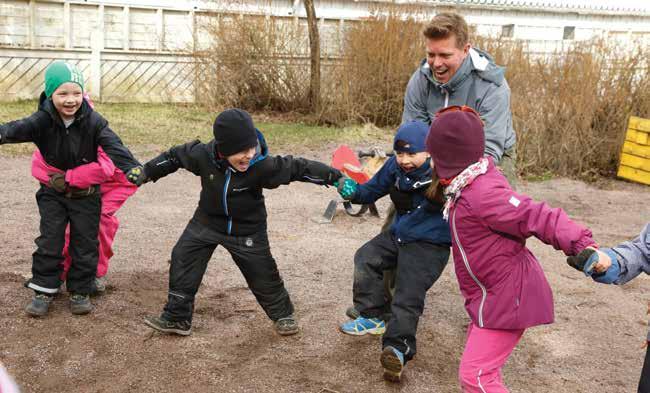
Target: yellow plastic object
x,y
635,155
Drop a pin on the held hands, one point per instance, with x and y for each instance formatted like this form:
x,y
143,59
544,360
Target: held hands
x,y
346,187
601,265
137,176
57,182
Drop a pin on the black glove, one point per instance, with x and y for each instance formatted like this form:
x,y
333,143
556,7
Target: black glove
x,y
57,182
333,177
578,262
137,175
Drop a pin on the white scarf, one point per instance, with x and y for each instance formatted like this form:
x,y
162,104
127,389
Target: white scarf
x,y
466,177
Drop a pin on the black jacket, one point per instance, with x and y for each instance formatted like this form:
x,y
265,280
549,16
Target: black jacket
x,y
68,148
232,202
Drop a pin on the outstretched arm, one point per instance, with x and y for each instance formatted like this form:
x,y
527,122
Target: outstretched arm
x,y
634,256
506,211
181,156
25,130
82,176
93,173
377,186
114,148
286,169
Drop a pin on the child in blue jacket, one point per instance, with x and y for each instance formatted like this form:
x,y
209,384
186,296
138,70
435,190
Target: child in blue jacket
x,y
624,262
417,246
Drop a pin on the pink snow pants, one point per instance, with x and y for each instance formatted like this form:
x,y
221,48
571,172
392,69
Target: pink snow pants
x,y
486,351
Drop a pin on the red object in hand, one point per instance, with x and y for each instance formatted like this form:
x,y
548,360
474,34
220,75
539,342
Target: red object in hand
x,y
346,160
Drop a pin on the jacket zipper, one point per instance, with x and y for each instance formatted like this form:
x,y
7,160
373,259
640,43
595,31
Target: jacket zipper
x,y
469,270
225,200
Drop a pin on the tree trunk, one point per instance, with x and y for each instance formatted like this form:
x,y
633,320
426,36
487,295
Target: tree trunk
x,y
314,51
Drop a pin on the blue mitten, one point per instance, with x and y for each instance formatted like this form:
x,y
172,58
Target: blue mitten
x,y
612,273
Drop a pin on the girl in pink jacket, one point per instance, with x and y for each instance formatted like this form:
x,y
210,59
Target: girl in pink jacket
x,y
115,190
503,284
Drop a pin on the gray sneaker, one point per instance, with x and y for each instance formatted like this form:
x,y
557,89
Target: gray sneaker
x,y
393,362
100,285
183,328
80,304
286,326
39,306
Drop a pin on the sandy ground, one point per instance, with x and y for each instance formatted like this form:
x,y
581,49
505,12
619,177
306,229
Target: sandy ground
x,y
594,345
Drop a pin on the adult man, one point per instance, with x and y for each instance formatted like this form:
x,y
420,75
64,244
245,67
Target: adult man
x,y
454,73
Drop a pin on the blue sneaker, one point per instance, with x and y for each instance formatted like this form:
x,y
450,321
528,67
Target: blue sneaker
x,y
361,326
393,362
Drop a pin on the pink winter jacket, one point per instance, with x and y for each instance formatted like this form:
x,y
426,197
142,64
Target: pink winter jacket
x,y
502,281
82,176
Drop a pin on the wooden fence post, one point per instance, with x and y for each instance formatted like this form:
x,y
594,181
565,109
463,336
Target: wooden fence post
x,y
67,26
126,26
96,46
32,24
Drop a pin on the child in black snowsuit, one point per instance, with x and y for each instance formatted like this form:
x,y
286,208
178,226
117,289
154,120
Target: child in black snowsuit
x,y
67,131
234,168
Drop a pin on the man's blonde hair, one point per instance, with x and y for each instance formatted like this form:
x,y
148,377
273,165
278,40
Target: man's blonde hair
x,y
446,24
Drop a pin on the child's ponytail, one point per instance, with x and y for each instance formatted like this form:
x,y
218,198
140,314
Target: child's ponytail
x,y
434,191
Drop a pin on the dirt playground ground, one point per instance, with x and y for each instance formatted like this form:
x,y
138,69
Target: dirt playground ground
x,y
594,345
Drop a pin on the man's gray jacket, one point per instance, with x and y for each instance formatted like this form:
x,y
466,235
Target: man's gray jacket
x,y
478,83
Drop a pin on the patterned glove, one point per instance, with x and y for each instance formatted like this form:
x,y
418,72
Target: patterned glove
x,y
137,175
57,182
346,187
584,261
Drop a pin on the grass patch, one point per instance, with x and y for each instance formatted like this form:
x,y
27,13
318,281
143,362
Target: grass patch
x,y
149,128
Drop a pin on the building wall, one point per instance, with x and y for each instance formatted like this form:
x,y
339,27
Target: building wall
x,y
136,50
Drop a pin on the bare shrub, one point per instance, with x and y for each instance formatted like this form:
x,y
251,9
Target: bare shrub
x,y
379,55
254,63
570,109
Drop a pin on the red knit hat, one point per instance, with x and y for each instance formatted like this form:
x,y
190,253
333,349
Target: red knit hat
x,y
455,141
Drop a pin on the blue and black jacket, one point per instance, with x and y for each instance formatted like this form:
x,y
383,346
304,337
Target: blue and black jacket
x,y
232,202
417,218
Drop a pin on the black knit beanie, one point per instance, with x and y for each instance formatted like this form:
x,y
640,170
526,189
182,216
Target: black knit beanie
x,y
234,132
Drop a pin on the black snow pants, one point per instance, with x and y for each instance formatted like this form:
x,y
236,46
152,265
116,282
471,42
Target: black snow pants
x,y
252,255
418,265
83,215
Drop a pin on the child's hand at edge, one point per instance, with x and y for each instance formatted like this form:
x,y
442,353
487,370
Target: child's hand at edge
x,y
603,262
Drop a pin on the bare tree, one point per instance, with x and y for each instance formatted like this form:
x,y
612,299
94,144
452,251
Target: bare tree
x,y
314,50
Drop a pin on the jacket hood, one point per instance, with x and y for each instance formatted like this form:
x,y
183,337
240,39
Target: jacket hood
x,y
45,104
477,61
261,152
